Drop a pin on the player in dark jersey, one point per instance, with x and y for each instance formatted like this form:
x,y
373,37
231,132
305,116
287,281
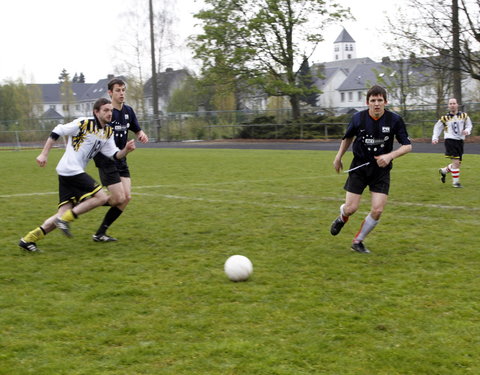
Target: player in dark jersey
x,y
114,174
372,132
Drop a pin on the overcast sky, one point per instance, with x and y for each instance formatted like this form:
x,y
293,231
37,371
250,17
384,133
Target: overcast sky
x,y
39,38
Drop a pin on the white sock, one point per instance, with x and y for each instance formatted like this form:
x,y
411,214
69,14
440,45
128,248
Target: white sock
x,y
342,214
367,226
455,175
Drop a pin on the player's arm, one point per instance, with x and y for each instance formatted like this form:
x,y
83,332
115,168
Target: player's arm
x,y
129,147
468,126
385,159
141,136
344,145
437,130
43,157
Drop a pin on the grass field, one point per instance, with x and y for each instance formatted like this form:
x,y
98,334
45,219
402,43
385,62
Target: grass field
x,y
158,302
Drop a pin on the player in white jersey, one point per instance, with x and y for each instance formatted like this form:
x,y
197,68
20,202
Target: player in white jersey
x,y
455,125
86,137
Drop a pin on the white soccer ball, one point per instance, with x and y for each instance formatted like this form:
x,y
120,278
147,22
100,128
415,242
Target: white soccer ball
x,y
238,268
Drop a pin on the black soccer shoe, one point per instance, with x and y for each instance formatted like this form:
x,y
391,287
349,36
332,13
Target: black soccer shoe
x,y
337,226
29,246
359,247
63,226
103,238
442,175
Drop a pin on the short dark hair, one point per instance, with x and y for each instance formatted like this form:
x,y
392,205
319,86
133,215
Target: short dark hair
x,y
375,91
115,81
99,103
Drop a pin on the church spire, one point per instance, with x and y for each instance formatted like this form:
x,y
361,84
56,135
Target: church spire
x,y
344,47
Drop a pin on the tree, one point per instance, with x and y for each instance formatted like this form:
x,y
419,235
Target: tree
x,y
143,50
263,42
444,31
64,76
17,102
186,98
66,93
306,81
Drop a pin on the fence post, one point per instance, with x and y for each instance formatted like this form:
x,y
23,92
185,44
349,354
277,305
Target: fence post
x,y
17,138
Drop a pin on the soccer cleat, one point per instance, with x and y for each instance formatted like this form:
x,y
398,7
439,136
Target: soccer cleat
x,y
337,226
63,226
359,247
29,246
103,238
457,185
443,175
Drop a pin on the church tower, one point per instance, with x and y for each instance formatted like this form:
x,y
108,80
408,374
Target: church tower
x,y
344,47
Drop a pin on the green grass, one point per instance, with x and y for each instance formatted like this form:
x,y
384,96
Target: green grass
x,y
158,302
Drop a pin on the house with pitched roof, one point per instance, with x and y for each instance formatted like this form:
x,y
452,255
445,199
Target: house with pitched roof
x,y
345,81
80,98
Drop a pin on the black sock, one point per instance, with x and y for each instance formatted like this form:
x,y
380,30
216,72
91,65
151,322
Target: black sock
x,y
112,214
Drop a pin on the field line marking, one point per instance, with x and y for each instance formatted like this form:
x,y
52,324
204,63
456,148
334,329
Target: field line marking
x,y
339,199
170,196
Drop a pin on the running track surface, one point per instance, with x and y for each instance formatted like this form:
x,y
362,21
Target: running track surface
x,y
419,147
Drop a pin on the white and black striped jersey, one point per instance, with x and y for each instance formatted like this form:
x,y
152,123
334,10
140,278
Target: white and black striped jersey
x,y
453,126
85,139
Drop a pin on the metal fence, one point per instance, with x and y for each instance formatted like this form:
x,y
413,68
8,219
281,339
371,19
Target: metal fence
x,y
20,139
275,124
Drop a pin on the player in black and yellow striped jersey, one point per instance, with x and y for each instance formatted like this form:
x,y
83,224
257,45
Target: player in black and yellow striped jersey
x,y
455,126
86,138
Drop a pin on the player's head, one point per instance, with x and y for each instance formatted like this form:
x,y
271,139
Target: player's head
x,y
102,111
115,81
377,90
376,101
453,105
116,90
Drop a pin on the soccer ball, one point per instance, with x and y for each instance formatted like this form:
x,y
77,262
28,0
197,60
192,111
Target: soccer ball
x,y
238,268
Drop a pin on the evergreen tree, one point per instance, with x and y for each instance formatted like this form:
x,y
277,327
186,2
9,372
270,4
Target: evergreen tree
x,y
306,82
64,76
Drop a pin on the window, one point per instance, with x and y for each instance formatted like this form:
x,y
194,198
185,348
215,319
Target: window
x,y
350,96
342,97
359,96
336,48
349,56
52,106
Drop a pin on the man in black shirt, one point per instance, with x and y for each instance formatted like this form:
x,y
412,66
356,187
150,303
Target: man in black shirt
x,y
372,132
115,175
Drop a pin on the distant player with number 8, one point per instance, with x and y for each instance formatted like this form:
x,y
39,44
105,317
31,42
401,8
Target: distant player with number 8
x,y
455,125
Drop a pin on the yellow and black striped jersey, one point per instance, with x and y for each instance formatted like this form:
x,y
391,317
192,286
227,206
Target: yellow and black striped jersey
x,y
453,125
85,139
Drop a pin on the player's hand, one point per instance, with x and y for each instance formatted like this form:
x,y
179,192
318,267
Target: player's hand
x,y
434,141
142,137
383,160
338,165
465,132
42,160
130,145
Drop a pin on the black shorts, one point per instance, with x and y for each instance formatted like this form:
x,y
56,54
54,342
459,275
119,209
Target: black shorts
x,y
111,170
376,178
454,148
74,189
